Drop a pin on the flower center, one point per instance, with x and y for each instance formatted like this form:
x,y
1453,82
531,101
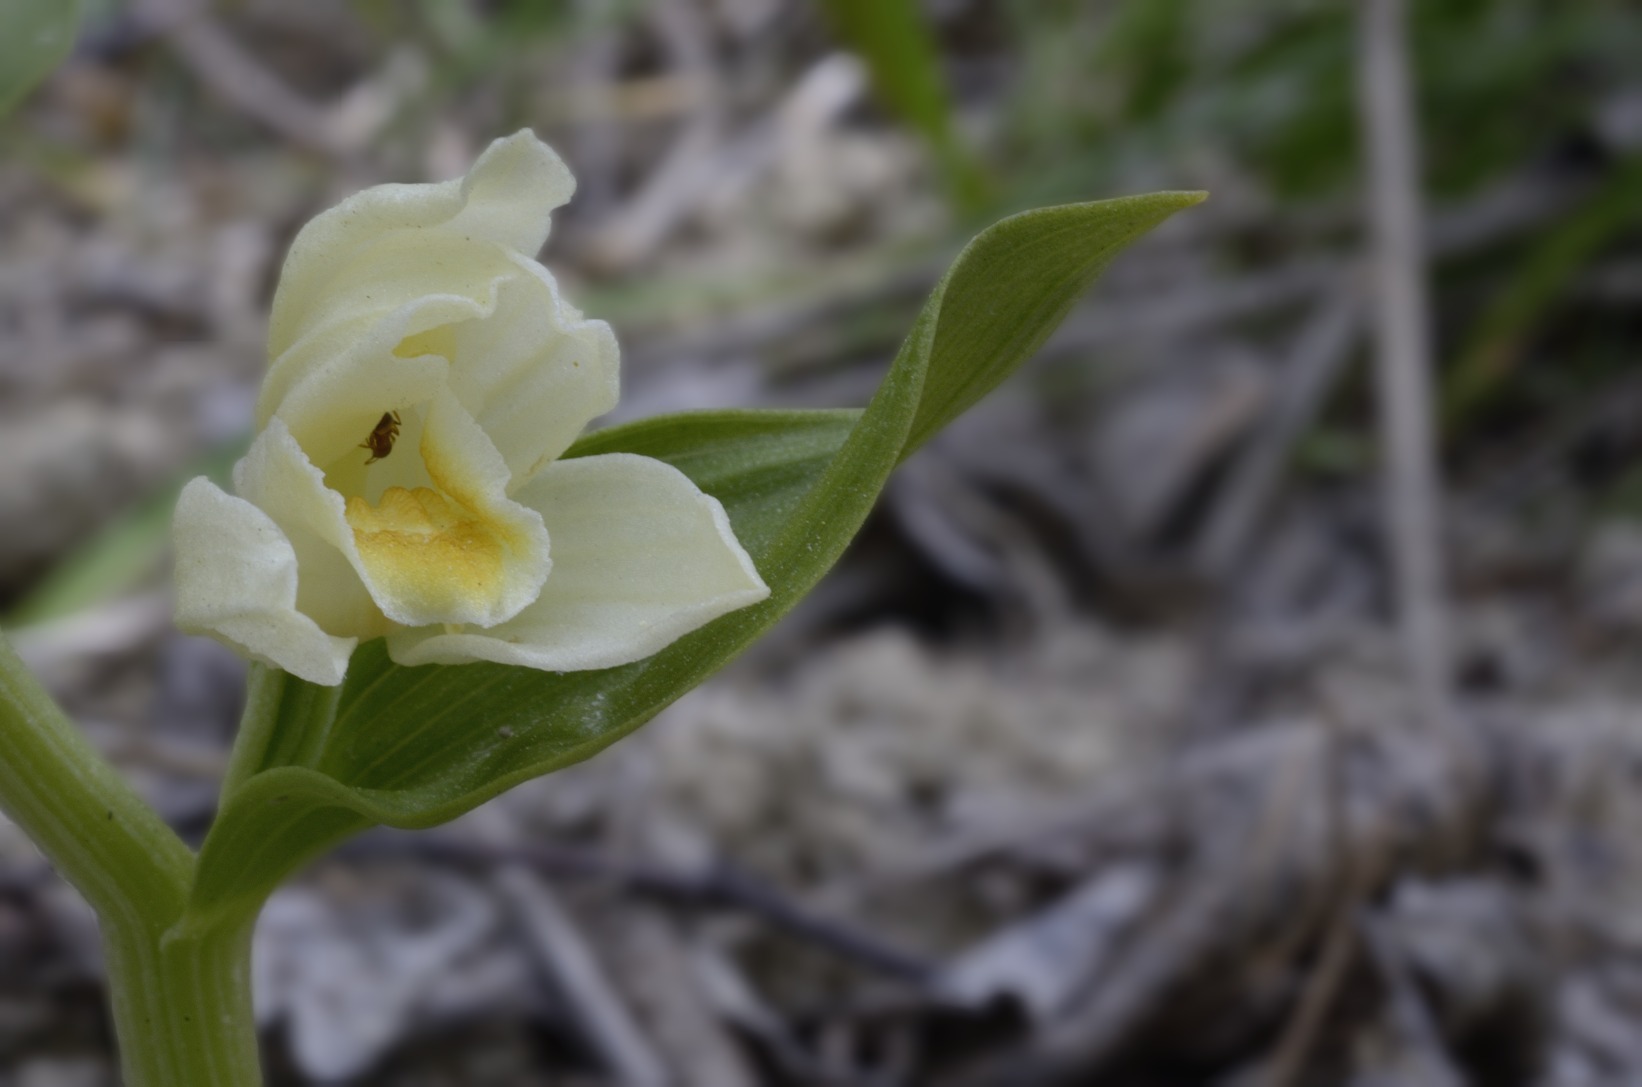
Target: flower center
x,y
426,550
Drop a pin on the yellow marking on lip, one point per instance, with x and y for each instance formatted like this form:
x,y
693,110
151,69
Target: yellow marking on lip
x,y
428,552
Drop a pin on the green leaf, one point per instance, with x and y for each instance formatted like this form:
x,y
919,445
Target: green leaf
x,y
414,747
35,35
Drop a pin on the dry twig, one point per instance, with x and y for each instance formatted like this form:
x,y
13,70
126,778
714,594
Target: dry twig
x,y
1403,369
574,967
1408,1009
1318,359
716,887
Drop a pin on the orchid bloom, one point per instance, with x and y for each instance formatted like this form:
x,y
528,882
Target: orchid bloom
x,y
405,479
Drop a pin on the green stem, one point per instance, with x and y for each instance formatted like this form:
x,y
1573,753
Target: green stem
x,y
91,825
263,688
284,724
180,994
182,1006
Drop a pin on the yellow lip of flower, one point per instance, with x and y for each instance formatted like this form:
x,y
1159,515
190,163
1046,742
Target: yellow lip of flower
x,y
462,537
451,548
425,549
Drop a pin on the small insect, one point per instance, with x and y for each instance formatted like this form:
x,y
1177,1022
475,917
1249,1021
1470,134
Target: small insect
x,y
382,437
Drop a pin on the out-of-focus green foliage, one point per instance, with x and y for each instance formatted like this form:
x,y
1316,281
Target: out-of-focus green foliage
x,y
1146,49
1501,334
35,36
1270,83
894,38
1259,97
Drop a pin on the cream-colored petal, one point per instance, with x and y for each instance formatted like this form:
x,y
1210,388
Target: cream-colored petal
x,y
334,408
236,580
511,192
336,263
279,479
373,329
641,557
457,550
535,372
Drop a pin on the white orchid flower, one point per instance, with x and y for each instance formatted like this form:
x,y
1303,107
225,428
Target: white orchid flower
x,y
405,480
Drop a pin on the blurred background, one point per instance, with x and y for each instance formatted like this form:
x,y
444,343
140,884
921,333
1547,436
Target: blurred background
x,y
1129,745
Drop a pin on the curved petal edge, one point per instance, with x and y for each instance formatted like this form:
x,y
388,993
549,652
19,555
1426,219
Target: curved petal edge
x,y
236,581
641,557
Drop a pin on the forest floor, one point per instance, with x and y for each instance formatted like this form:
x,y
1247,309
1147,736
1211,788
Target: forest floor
x,y
1094,761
